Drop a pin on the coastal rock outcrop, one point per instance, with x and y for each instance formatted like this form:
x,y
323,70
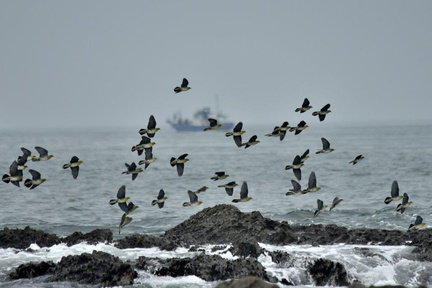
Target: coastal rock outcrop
x,y
93,237
95,268
23,238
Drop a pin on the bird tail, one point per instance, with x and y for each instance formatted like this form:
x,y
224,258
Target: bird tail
x,y
387,200
133,148
289,193
172,162
185,204
205,129
229,134
28,183
411,225
316,213
6,178
235,200
65,166
154,202
142,131
113,201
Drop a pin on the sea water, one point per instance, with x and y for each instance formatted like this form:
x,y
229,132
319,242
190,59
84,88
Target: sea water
x,y
63,205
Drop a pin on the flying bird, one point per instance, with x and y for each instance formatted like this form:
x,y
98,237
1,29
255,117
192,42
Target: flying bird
x,y
305,106
151,128
148,158
417,224
236,133
145,144
229,187
283,129
321,207
128,208
296,190
121,196
27,153
405,203
243,194
213,124
219,175
15,175
335,202
300,127
193,200
323,112
183,87
124,221
312,186
132,169
74,165
22,160
394,192
275,133
357,159
201,189
296,165
252,141
304,156
35,181
43,154
179,162
160,200
326,147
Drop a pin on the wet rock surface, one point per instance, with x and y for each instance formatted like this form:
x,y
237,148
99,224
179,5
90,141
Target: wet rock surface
x,y
32,270
207,267
93,237
328,273
247,282
96,268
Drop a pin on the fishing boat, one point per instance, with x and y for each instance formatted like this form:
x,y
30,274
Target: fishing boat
x,y
199,121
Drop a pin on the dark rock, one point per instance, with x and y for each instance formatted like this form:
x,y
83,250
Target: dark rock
x,y
96,268
280,257
246,249
93,237
145,241
286,282
218,248
247,282
328,273
207,267
225,224
22,238
32,270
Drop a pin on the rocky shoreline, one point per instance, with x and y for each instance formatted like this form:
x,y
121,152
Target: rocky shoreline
x,y
222,225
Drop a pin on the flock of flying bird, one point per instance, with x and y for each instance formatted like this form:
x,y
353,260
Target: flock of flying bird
x,y
145,146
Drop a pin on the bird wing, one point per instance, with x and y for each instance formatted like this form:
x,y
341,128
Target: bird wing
x,y
183,156
145,140
13,169
405,199
305,103
121,193
297,173
124,207
75,171
180,169
320,204
325,108
25,151
238,140
132,167
301,124
238,127
244,190
304,154
35,174
151,123
213,122
161,194
325,143
418,220
296,186
312,180
42,151
185,82
394,189
192,196
74,159
148,153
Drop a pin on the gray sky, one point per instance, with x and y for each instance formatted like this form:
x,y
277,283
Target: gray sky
x,y
113,63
